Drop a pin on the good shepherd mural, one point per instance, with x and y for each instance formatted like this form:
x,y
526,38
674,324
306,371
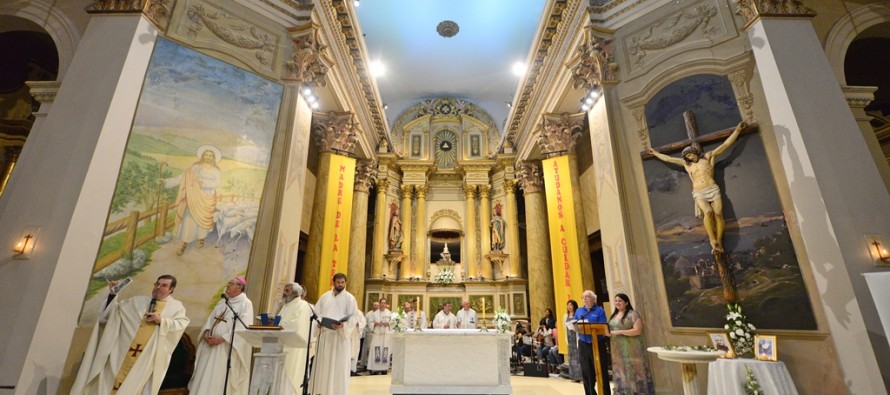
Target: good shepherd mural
x,y
191,180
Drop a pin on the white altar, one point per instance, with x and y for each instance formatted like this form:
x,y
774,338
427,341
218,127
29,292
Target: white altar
x,y
268,365
451,361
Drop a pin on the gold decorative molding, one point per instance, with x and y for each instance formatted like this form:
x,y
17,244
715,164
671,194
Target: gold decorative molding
x,y
421,191
382,186
365,173
445,213
752,10
470,190
639,113
741,79
595,60
307,65
553,33
484,191
407,191
508,186
559,133
350,47
156,11
529,174
671,30
44,91
336,132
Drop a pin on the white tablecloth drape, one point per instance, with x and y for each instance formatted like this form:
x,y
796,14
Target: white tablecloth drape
x,y
727,377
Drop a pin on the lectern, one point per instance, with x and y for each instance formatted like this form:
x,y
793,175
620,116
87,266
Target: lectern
x,y
595,330
268,366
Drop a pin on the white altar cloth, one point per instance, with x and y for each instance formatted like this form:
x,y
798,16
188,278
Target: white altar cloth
x,y
451,361
727,377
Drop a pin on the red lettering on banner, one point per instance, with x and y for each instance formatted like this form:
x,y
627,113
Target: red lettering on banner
x,y
342,168
338,214
336,237
337,223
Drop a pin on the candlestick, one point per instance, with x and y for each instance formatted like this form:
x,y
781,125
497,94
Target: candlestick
x,y
417,314
484,329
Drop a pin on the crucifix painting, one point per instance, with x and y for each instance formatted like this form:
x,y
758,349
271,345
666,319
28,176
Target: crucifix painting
x,y
745,254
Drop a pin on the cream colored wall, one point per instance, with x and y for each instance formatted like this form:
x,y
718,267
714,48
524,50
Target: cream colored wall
x,y
588,199
308,201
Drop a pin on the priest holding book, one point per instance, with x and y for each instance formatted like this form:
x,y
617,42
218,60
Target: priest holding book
x,y
339,315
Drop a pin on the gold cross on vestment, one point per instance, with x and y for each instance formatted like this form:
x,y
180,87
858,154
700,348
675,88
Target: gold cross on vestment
x,y
216,320
136,350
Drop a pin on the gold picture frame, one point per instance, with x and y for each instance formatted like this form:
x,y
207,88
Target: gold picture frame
x,y
721,342
765,348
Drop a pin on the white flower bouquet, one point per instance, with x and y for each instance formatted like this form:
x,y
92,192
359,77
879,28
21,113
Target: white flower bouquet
x,y
502,321
741,333
444,276
397,321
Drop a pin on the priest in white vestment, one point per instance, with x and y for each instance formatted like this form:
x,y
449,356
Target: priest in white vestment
x,y
380,352
360,325
213,347
369,333
132,353
296,315
466,317
445,319
330,370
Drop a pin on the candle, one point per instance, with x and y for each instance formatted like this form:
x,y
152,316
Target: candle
x,y
483,305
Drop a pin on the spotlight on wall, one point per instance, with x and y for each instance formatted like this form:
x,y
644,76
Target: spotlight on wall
x,y
25,244
878,250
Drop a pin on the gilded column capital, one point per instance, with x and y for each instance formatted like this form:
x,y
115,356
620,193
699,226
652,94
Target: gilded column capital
x,y
484,191
407,191
421,191
559,133
530,175
508,186
752,10
382,185
337,132
595,61
365,173
469,190
157,11
307,65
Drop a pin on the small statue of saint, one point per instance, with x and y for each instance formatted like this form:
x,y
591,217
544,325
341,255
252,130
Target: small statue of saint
x,y
498,227
395,228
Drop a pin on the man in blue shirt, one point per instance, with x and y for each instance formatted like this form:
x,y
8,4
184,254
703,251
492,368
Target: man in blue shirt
x,y
590,312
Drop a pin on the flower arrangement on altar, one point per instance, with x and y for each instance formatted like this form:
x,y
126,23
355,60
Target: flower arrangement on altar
x,y
703,348
741,332
444,276
502,321
752,387
397,321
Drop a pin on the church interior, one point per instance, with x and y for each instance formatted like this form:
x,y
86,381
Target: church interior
x,y
510,153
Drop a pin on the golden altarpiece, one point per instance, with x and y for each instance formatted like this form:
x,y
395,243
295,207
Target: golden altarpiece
x,y
446,225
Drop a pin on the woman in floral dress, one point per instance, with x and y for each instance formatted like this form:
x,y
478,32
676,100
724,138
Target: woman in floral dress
x,y
630,367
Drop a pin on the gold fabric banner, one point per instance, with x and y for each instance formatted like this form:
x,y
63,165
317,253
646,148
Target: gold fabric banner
x,y
563,239
337,219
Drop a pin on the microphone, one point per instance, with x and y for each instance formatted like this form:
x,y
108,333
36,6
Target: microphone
x,y
151,305
224,296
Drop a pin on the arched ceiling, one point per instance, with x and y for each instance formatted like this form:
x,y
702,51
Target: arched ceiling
x,y
475,64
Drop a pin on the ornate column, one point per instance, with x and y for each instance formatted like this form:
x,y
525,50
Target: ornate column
x,y
365,171
469,261
485,228
405,266
335,132
859,97
418,269
515,268
559,135
540,272
380,240
824,159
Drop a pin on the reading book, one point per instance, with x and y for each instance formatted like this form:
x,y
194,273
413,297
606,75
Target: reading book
x,y
329,322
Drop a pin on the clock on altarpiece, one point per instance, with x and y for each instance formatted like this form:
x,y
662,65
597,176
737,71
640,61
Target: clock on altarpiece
x,y
446,154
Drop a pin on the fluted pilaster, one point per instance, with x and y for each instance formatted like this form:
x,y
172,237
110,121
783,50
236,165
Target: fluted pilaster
x,y
485,226
365,172
515,268
540,271
419,268
471,265
380,241
405,267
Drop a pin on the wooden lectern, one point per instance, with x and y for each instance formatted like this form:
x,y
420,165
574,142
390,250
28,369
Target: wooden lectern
x,y
595,329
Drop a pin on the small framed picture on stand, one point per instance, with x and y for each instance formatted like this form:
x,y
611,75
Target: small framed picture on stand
x,y
765,348
720,341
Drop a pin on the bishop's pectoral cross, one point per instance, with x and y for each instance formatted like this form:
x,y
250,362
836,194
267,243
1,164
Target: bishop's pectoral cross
x,y
136,350
217,319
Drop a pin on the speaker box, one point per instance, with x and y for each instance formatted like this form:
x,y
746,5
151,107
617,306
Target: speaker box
x,y
534,370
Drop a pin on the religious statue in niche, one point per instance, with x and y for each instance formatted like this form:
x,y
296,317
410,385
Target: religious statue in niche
x,y
708,199
498,227
395,228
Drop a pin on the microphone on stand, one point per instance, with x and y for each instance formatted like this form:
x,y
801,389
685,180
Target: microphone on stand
x,y
224,296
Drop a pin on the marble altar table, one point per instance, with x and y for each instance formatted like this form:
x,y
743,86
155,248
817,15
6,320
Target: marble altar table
x,y
451,361
727,377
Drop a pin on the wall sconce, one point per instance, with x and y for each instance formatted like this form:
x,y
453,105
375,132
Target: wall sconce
x,y
25,244
878,250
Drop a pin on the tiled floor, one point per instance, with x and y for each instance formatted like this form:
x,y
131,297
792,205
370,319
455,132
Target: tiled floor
x,y
379,385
